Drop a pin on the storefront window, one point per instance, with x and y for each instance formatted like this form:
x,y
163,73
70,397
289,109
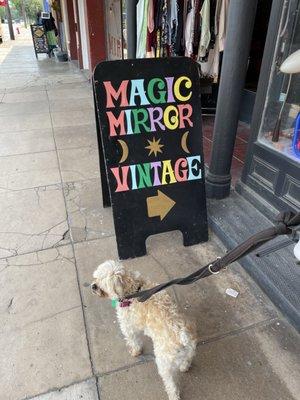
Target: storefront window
x,y
280,127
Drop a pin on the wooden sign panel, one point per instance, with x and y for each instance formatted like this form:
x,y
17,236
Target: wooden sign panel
x,y
150,118
39,38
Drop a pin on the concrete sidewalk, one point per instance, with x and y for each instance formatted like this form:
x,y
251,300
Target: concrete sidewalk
x,y
58,342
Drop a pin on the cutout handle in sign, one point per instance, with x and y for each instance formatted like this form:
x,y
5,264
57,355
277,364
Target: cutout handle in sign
x,y
150,141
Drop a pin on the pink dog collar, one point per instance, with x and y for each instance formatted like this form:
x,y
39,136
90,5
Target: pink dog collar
x,y
125,303
122,303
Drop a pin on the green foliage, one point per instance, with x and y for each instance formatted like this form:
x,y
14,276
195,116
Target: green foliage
x,y
2,12
31,8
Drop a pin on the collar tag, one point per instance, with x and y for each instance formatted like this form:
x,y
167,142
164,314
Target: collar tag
x,y
114,303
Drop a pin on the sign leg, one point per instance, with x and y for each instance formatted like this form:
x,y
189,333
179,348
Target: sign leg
x,y
195,236
130,248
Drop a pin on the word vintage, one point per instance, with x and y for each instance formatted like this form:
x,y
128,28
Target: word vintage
x,y
150,118
157,173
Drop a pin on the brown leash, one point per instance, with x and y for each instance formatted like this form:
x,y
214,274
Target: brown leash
x,y
285,222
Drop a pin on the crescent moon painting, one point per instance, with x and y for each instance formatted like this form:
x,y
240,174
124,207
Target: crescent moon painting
x,y
124,151
184,142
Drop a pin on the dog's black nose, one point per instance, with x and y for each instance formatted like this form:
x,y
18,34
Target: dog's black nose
x,y
94,286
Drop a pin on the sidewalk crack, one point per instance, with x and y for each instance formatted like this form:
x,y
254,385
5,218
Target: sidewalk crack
x,y
10,304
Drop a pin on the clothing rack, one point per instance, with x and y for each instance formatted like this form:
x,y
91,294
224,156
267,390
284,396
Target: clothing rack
x,y
191,28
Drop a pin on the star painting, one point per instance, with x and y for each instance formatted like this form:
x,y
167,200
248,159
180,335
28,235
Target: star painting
x,y
154,147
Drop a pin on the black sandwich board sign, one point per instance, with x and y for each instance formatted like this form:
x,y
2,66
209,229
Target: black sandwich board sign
x,y
149,115
39,39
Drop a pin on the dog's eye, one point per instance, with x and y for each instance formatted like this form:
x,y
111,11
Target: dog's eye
x,y
94,286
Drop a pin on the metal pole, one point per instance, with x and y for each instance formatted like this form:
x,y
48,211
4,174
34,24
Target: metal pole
x,y
131,28
234,68
9,20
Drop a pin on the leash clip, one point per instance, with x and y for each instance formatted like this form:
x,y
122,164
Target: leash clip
x,y
214,272
211,271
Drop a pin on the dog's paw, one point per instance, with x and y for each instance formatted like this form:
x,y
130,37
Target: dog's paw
x,y
135,352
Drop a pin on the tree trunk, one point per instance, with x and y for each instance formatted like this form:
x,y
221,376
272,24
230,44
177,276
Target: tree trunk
x,y
10,24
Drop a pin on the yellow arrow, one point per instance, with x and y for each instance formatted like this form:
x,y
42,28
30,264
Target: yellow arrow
x,y
159,206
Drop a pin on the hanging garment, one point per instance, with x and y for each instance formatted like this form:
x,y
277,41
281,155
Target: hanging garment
x,y
159,5
165,32
213,8
158,46
49,24
150,29
179,43
158,13
51,31
150,16
205,29
221,22
51,39
210,68
173,24
217,15
189,28
197,25
141,28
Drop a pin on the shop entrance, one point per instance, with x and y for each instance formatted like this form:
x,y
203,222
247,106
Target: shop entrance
x,y
157,37
248,96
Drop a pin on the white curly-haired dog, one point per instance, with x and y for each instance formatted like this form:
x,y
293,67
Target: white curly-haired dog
x,y
174,339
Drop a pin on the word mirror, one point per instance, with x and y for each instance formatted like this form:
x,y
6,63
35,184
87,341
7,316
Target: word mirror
x,y
150,135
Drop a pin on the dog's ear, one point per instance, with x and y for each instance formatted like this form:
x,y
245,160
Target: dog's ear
x,y
118,285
